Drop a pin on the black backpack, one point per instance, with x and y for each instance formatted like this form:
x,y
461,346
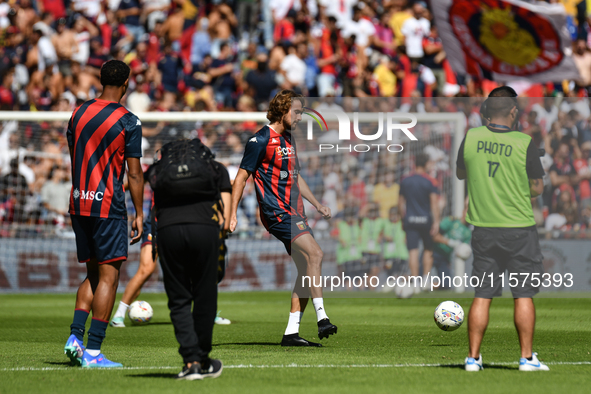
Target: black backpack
x,y
186,170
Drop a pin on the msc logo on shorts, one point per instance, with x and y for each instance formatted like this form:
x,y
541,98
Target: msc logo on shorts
x,y
87,195
301,225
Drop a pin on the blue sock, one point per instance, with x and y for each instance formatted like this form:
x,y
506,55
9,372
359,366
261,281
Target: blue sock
x,y
96,334
77,327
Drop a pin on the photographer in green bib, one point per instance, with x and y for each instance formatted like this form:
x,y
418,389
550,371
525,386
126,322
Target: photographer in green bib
x,y
503,172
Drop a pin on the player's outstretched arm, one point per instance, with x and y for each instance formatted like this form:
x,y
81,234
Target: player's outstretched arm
x,y
135,179
307,194
237,190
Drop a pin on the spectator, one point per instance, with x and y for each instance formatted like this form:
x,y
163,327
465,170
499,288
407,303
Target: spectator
x,y
563,176
14,191
170,67
385,194
201,42
414,30
582,59
41,51
55,195
223,81
248,15
154,11
261,81
84,30
329,53
293,67
284,29
138,101
66,45
129,11
435,56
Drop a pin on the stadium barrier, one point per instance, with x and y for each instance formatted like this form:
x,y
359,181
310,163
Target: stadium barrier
x,y
50,265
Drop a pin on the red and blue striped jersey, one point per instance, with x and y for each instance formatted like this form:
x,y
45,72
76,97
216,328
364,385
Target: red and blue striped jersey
x,y
101,134
272,159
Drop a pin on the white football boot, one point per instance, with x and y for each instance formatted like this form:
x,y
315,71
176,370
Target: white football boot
x,y
533,365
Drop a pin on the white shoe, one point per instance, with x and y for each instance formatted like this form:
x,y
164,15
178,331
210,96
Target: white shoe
x,y
405,291
222,321
473,364
118,322
533,365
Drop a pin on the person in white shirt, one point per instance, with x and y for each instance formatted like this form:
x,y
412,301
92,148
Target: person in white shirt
x,y
342,10
47,56
414,29
293,67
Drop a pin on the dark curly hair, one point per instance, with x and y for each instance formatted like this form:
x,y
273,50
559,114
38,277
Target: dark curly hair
x,y
114,73
281,103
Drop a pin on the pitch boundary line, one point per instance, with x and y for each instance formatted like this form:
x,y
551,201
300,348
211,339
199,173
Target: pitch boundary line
x,y
254,366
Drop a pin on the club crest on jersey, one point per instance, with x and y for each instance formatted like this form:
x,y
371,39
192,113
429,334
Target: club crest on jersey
x,y
301,225
253,139
87,195
283,174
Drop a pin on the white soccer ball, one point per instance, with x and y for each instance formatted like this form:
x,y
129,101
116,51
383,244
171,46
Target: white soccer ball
x,y
140,312
463,251
449,316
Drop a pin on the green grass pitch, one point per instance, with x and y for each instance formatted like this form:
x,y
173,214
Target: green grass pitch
x,y
383,345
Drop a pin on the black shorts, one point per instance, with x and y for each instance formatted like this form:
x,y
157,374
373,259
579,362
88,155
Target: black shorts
x,y
516,250
289,230
415,232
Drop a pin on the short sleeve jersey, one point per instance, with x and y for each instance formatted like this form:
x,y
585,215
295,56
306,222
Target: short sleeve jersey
x,y
101,134
416,190
272,159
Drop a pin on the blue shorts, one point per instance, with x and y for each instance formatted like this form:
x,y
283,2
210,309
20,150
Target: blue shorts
x,y
148,234
100,238
289,230
416,232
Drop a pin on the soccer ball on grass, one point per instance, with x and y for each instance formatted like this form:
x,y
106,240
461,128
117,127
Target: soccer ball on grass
x,y
449,316
140,312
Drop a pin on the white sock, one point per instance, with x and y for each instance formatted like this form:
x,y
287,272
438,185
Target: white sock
x,y
121,310
93,353
319,307
293,324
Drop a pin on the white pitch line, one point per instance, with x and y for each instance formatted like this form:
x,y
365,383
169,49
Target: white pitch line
x,y
254,366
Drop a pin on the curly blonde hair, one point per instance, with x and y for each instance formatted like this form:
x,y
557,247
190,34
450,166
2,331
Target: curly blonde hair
x,y
281,103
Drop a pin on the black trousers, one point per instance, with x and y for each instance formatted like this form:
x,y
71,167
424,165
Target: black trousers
x,y
189,260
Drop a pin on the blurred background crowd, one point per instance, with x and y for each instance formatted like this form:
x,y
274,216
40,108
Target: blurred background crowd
x,y
233,55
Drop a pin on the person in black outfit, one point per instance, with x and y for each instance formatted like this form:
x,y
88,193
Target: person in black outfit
x,y
188,245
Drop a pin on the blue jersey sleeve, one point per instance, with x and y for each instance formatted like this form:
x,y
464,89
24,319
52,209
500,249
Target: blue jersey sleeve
x,y
434,188
133,137
70,134
254,153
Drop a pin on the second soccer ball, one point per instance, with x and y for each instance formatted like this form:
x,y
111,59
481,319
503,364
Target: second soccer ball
x,y
140,312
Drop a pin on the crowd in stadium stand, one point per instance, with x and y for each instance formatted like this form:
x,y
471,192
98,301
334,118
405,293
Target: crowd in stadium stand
x,y
215,55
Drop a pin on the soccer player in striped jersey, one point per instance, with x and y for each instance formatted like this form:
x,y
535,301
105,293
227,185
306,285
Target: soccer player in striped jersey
x,y
102,136
270,156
